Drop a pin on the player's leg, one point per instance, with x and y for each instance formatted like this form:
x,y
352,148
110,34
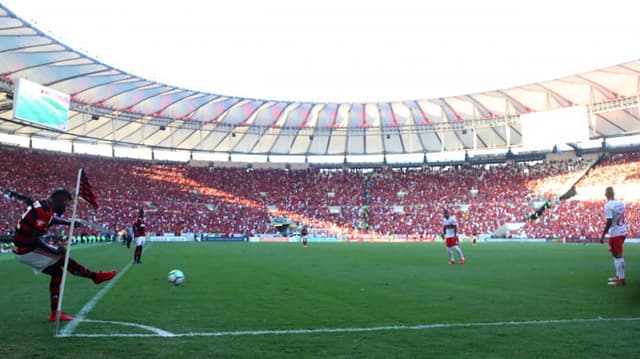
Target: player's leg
x,y
141,248
452,260
618,264
460,254
615,246
55,271
138,251
48,263
79,270
613,249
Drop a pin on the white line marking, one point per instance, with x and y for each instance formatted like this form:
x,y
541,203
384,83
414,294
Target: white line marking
x,y
157,331
79,317
348,330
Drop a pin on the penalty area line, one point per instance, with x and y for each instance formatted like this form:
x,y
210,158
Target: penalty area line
x,y
165,334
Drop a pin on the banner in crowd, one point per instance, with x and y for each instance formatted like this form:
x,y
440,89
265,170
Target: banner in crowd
x,y
274,239
517,240
390,238
169,239
221,238
292,239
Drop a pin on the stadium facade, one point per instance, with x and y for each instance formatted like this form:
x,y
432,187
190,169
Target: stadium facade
x,y
115,113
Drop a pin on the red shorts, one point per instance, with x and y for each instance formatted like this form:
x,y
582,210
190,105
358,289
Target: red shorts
x,y
453,241
615,244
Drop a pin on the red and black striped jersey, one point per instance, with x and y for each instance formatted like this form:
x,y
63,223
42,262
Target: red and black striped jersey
x,y
38,216
139,228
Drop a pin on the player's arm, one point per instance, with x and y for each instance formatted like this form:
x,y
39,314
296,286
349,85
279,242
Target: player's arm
x,y
61,221
20,197
606,229
64,222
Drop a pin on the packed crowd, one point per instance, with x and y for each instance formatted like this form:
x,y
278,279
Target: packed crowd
x,y
184,198
485,197
582,216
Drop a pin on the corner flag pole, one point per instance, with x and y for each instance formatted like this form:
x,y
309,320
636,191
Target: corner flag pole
x,y
68,251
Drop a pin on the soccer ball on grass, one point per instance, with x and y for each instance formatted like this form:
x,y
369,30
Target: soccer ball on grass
x,y
176,277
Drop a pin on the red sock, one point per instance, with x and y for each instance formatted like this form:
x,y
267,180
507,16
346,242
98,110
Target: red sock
x,y
55,271
54,291
76,269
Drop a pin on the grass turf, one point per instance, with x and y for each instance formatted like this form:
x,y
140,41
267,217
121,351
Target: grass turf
x,y
242,286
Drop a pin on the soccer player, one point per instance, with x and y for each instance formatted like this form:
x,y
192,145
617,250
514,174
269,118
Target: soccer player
x,y
304,233
33,248
450,234
139,232
616,227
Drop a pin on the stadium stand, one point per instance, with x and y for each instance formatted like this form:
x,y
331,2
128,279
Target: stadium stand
x,y
582,215
183,198
485,196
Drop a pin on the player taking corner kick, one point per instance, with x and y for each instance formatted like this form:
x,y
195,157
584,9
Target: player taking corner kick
x,y
32,247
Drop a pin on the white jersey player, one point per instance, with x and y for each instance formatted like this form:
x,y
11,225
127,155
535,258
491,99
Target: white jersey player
x,y
616,227
450,234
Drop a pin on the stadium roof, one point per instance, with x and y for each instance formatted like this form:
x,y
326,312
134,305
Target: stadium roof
x,y
129,109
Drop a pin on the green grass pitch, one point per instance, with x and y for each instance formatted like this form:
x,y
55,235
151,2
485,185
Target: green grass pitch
x,y
233,287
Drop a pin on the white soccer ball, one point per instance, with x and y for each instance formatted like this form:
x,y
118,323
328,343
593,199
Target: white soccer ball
x,y
176,277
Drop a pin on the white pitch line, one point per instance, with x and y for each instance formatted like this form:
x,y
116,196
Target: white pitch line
x,y
157,331
88,307
165,334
